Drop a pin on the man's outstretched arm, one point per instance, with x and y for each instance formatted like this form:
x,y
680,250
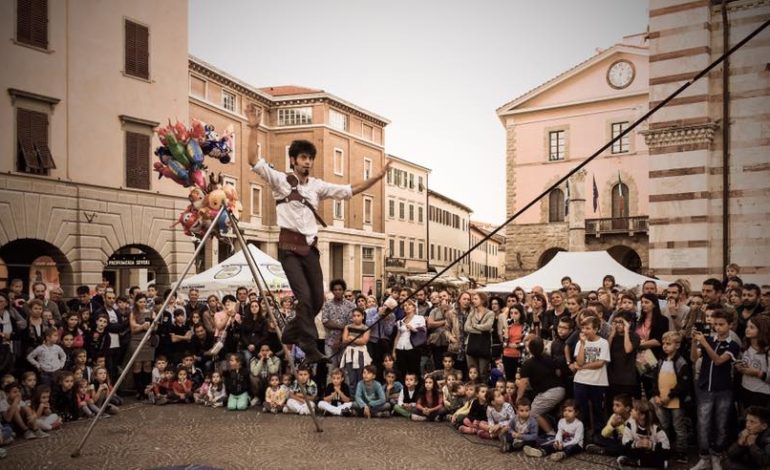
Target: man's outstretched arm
x,y
366,184
254,115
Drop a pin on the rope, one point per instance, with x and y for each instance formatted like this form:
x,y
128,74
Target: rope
x,y
579,167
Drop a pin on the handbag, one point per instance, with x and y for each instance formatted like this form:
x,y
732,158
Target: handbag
x,y
418,337
438,336
479,345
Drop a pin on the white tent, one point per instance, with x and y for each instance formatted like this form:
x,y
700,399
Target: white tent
x,y
234,272
586,268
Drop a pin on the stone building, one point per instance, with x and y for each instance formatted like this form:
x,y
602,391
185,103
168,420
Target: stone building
x,y
709,167
81,204
487,263
557,125
406,220
448,233
350,143
78,199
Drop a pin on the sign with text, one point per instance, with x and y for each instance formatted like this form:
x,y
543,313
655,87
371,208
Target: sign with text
x,y
129,261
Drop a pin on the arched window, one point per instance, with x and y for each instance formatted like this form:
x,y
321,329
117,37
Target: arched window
x,y
620,201
556,206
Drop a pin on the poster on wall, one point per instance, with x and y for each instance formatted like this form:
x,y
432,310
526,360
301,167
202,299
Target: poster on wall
x,y
44,270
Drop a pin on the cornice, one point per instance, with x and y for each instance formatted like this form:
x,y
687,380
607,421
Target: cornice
x,y
682,135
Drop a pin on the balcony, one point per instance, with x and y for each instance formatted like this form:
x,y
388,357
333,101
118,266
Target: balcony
x,y
616,225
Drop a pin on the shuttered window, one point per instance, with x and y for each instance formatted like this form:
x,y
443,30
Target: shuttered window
x,y
137,160
137,50
32,22
33,154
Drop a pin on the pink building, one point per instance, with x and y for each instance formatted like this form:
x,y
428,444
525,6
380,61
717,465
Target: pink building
x,y
555,126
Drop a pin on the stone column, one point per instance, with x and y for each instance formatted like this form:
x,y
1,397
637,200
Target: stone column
x,y
576,220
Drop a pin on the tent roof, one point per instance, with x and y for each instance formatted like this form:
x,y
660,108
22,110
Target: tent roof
x,y
586,268
234,272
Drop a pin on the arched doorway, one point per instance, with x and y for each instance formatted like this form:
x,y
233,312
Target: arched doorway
x,y
626,256
33,260
548,256
136,265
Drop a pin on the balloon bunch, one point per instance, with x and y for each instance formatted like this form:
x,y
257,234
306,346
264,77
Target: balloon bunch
x,y
181,158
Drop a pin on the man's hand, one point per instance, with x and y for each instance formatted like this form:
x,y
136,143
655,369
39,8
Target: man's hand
x,y
367,411
254,115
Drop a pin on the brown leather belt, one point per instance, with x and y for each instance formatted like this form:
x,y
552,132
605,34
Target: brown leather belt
x,y
290,240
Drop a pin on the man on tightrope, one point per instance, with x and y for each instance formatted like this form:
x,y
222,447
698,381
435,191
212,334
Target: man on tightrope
x,y
297,196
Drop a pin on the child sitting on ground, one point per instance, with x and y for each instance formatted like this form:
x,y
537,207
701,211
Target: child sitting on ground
x,y
569,437
216,394
476,420
102,389
19,415
163,388
298,402
275,395
645,444
752,449
86,405
336,399
522,429
158,372
181,389
392,388
199,396
407,398
45,418
499,415
610,441
430,404
455,399
370,398
63,399
469,397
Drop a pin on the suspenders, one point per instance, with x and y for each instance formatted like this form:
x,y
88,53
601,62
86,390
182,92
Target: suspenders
x,y
294,195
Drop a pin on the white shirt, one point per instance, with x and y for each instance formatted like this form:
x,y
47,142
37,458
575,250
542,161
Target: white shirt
x,y
598,350
294,215
114,337
405,338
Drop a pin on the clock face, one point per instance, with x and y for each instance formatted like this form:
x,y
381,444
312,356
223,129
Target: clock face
x,y
620,74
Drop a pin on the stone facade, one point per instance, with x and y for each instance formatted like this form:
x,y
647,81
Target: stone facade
x,y
586,109
686,142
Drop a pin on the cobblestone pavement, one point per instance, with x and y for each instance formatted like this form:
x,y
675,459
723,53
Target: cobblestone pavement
x,y
145,436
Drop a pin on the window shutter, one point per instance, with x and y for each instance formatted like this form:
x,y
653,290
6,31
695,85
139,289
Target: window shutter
x,y
39,128
130,28
27,160
137,50
142,51
32,22
137,160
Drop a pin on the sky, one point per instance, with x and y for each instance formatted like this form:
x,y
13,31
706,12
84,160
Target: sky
x,y
437,70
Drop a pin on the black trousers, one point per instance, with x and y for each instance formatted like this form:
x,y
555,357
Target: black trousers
x,y
306,282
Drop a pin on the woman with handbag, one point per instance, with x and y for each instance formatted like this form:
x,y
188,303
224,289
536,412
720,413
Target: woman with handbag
x,y
478,328
650,328
411,336
441,325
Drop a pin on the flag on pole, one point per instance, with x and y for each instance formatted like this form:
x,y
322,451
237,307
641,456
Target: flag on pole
x,y
566,201
596,195
621,196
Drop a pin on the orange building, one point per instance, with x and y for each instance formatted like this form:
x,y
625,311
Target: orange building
x,y
350,142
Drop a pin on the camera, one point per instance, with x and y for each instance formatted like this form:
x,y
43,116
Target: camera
x,y
704,328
